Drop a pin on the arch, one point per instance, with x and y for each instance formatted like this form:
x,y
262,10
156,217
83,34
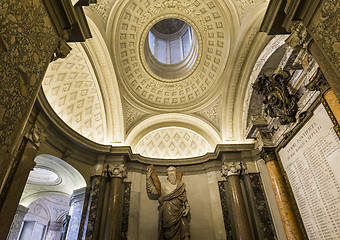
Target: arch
x,y
173,120
102,63
270,48
70,180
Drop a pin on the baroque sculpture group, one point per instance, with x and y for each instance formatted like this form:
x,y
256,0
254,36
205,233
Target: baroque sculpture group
x,y
174,215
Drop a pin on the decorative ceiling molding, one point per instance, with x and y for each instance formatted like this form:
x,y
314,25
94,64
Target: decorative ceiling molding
x,y
243,5
132,115
102,8
102,62
212,113
207,19
172,143
239,67
71,89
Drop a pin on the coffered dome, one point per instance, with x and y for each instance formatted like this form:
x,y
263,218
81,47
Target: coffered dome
x,y
157,67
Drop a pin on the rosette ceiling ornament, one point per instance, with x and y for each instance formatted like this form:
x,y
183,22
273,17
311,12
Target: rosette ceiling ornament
x,y
196,80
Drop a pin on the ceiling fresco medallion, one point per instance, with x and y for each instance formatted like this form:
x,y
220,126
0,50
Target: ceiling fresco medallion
x,y
210,28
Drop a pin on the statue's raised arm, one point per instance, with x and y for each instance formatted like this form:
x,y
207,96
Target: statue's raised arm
x,y
153,185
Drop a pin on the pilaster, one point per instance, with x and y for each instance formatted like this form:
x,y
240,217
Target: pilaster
x,y
17,223
76,207
16,180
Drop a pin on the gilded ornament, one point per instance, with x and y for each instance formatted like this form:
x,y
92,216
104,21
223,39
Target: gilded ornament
x,y
277,98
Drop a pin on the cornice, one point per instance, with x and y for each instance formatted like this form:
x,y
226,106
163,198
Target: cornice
x,y
69,18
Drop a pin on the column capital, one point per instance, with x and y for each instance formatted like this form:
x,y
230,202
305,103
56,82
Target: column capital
x,y
232,168
268,154
116,171
318,82
299,36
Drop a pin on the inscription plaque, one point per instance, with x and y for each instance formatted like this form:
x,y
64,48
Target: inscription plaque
x,y
312,163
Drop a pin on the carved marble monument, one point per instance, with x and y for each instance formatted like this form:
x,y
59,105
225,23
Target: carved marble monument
x,y
174,216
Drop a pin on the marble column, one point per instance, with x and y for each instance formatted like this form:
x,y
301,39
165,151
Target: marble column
x,y
284,202
92,221
232,172
76,208
115,202
17,223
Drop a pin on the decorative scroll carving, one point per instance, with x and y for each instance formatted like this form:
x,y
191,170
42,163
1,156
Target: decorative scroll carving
x,y
318,83
63,49
279,102
268,154
117,171
37,135
232,168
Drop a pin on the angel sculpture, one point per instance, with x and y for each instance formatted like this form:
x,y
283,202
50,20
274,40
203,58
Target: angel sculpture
x,y
174,215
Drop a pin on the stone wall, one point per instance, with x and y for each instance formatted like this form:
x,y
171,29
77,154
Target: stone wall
x,y
27,43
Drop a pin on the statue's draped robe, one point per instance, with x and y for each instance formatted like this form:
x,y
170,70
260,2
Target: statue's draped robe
x,y
172,224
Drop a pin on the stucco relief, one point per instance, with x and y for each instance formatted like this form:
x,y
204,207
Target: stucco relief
x,y
70,87
212,113
172,142
132,115
243,5
206,19
102,8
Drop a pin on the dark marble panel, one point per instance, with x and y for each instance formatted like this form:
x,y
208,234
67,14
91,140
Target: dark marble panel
x,y
27,43
226,214
126,209
262,207
93,206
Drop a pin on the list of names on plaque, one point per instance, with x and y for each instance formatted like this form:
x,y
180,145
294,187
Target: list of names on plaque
x,y
312,163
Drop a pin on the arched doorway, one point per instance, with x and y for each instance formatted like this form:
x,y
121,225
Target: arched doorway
x,y
52,202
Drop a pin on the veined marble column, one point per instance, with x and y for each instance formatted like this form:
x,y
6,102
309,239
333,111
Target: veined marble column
x,y
76,208
282,196
92,221
115,203
232,172
17,223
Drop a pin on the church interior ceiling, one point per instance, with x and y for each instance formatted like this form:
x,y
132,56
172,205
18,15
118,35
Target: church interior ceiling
x,y
112,90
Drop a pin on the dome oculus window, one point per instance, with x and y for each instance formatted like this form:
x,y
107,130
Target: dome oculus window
x,y
170,40
171,50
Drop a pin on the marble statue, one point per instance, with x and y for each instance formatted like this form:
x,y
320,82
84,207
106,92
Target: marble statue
x,y
174,215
